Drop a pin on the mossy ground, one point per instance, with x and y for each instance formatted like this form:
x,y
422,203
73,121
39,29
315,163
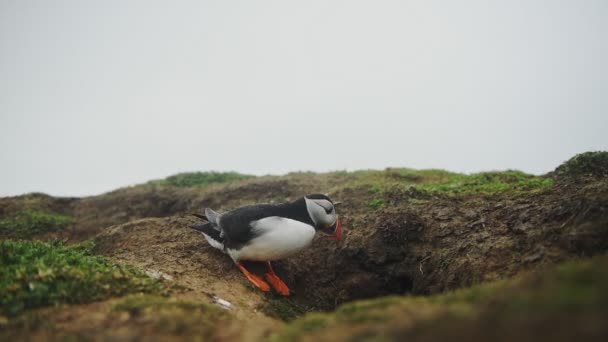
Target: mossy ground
x,y
594,164
282,309
574,289
488,183
182,318
36,273
440,181
30,222
405,231
189,179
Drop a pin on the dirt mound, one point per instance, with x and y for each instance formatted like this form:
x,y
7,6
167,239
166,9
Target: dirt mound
x,y
138,318
417,243
425,244
167,248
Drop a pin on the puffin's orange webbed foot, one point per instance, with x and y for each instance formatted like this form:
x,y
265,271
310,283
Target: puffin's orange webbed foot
x,y
276,282
256,280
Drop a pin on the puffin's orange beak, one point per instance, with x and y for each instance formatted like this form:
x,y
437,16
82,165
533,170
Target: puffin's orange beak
x,y
338,233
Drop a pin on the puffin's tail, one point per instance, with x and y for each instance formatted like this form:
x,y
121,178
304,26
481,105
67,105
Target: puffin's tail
x,y
211,232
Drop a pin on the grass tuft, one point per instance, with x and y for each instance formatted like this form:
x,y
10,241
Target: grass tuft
x,y
376,203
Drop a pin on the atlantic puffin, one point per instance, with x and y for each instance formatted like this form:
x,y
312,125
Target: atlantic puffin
x,y
268,232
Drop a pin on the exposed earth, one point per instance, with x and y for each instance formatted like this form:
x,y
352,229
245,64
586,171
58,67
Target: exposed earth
x,y
477,255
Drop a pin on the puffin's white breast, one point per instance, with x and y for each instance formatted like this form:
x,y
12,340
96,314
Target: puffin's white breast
x,y
277,238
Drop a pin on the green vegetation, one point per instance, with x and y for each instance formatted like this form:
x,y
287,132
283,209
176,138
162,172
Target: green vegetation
x,y
137,303
440,181
282,309
175,317
588,163
36,273
574,289
488,182
29,222
309,324
376,203
188,179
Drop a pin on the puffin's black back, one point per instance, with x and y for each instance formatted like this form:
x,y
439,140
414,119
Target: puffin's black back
x,y
236,224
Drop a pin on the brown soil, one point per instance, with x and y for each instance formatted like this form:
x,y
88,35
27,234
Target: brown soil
x,y
417,243
101,321
428,244
166,246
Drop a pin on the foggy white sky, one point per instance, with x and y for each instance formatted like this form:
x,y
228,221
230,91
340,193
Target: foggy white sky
x,y
95,95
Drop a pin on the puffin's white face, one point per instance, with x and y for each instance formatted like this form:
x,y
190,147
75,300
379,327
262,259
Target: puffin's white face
x,y
322,212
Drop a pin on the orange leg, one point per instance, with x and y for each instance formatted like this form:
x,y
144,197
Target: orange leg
x,y
276,282
256,280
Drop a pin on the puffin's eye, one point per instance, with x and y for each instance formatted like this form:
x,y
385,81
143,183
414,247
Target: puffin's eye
x,y
329,210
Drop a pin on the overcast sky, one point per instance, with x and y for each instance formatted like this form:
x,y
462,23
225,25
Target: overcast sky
x,y
96,95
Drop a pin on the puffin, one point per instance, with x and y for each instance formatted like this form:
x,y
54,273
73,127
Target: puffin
x,y
269,232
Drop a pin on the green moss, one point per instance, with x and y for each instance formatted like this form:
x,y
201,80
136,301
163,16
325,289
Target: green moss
x,y
441,181
488,182
420,176
189,179
588,163
309,324
394,178
35,273
28,222
376,203
282,309
470,296
136,303
574,285
175,317
367,310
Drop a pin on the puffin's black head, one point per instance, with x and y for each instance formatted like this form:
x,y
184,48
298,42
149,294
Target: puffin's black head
x,y
322,211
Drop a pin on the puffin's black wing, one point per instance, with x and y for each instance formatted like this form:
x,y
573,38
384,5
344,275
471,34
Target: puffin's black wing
x,y
236,224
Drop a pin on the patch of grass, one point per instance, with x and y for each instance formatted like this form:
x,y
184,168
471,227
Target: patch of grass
x,y
417,201
136,303
307,325
28,222
391,178
282,309
366,310
488,182
36,273
419,176
175,317
190,179
588,164
376,203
